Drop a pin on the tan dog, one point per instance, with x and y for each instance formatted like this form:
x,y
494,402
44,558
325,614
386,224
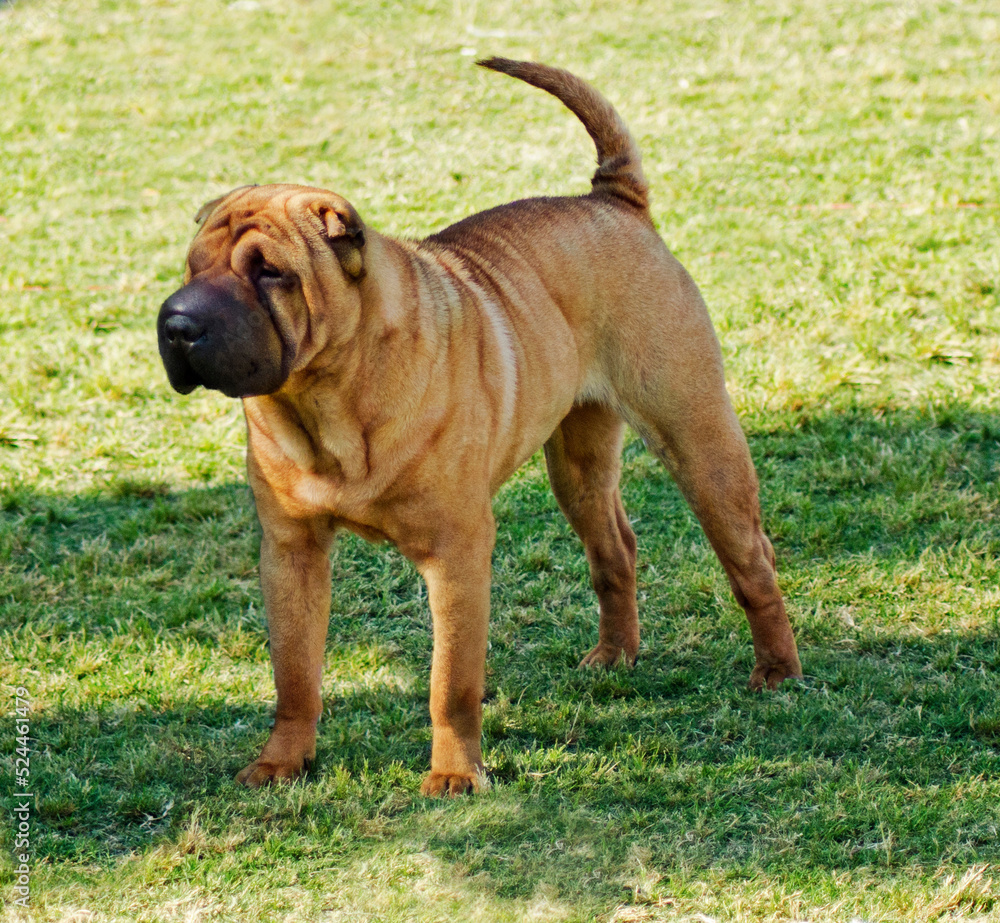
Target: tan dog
x,y
391,387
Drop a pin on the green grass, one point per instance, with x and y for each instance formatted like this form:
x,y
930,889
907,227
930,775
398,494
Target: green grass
x,y
828,173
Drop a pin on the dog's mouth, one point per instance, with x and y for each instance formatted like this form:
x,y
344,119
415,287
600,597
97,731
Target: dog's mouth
x,y
208,337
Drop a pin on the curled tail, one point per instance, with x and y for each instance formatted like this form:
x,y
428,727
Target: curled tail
x,y
619,167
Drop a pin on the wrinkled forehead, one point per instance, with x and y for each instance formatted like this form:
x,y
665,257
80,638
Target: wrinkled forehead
x,y
245,206
263,212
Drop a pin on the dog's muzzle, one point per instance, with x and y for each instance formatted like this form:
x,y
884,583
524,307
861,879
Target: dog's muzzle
x,y
211,337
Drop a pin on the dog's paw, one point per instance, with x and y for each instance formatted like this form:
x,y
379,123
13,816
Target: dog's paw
x,y
265,772
608,655
452,784
772,675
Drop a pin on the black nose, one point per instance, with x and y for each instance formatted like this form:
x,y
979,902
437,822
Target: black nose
x,y
180,328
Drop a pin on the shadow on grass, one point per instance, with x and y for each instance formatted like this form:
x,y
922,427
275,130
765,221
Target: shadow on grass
x,y
138,611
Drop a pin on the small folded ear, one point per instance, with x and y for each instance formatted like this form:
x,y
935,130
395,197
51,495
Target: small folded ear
x,y
207,209
210,207
346,235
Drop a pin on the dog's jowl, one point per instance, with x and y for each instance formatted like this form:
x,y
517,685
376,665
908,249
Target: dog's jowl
x,y
391,387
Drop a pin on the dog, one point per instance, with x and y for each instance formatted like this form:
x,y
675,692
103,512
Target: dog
x,y
390,387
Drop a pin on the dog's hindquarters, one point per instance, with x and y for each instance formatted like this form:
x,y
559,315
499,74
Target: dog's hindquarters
x,y
646,353
665,371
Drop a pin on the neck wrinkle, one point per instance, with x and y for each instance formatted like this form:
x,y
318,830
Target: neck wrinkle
x,y
369,401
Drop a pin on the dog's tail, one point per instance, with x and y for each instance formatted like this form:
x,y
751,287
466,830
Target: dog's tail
x,y
619,165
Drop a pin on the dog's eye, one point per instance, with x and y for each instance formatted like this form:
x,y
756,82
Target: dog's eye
x,y
267,271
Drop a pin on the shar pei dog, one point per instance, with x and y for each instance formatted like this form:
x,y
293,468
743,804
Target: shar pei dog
x,y
390,387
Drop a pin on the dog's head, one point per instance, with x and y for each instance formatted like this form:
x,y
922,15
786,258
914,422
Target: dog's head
x,y
271,282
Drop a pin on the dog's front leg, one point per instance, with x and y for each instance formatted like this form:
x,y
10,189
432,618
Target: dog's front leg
x,y
458,586
295,579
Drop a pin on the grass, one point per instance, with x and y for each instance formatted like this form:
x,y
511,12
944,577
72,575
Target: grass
x,y
828,175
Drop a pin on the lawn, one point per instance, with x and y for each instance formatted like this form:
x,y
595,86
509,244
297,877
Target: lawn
x,y
829,175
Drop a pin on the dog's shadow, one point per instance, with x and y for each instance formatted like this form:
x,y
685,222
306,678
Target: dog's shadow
x,y
136,618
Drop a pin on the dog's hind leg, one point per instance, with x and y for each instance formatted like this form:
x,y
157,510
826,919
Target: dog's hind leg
x,y
697,435
583,458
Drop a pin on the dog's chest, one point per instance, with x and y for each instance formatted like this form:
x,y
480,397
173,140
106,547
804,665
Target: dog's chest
x,y
319,467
